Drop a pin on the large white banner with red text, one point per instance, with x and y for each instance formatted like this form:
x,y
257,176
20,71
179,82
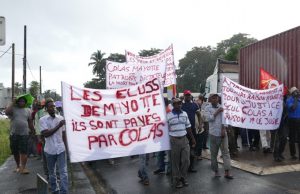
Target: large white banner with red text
x,y
113,123
139,69
251,109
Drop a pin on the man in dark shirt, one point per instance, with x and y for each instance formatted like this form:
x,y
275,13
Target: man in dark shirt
x,y
190,108
293,108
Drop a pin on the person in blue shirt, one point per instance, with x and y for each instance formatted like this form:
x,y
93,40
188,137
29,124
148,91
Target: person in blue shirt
x,y
293,108
190,108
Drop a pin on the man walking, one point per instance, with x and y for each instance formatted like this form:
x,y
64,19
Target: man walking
x,y
293,107
190,108
52,128
218,136
179,127
21,122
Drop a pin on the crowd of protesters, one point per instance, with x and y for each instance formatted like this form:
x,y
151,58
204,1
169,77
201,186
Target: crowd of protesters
x,y
191,123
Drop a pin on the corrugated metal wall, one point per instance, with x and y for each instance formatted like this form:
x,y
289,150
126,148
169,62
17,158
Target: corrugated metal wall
x,y
279,55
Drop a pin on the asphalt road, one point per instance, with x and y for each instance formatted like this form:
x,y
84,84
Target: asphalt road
x,y
122,178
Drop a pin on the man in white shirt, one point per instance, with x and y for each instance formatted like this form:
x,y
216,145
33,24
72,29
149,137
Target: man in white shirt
x,y
218,136
52,128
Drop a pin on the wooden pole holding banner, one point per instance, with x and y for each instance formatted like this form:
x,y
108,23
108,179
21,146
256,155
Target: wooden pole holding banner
x,y
24,62
13,72
40,80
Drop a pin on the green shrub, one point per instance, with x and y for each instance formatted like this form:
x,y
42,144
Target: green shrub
x,y
4,141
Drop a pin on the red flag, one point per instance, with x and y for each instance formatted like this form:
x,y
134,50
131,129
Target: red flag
x,y
268,81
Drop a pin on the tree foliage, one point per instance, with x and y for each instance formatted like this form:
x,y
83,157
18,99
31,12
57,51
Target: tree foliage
x,y
194,68
199,63
34,88
18,88
52,94
99,68
148,53
228,49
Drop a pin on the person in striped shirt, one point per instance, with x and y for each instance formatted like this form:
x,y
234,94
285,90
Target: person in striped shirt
x,y
179,128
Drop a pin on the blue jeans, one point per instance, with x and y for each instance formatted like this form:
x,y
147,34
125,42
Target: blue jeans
x,y
60,160
143,167
161,160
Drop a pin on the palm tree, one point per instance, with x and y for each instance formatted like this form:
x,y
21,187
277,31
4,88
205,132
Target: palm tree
x,y
34,88
98,63
18,88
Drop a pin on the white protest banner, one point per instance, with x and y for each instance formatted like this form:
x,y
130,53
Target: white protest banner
x,y
251,109
114,123
119,75
140,68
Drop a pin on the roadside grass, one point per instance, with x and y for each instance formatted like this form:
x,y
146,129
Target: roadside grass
x,y
4,140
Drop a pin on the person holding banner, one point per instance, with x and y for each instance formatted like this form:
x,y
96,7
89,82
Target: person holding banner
x,y
293,107
52,128
218,136
179,127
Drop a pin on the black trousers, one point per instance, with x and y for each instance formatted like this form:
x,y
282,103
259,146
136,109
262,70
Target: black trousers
x,y
294,135
280,141
254,138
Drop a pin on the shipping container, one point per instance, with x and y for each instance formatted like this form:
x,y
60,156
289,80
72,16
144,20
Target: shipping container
x,y
279,55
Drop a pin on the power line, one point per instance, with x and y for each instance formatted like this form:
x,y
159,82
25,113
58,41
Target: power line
x,y
9,53
30,71
5,51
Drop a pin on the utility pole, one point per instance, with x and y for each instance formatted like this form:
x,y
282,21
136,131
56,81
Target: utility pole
x,y
40,80
13,72
24,62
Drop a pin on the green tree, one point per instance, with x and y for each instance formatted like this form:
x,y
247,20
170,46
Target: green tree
x,y
98,63
52,94
94,84
148,53
34,88
194,68
18,88
116,57
228,49
99,68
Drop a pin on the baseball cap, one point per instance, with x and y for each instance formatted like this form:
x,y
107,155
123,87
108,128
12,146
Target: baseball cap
x,y
176,100
187,92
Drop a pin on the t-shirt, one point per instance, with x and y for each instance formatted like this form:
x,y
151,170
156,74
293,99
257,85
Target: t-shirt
x,y
178,123
19,121
190,108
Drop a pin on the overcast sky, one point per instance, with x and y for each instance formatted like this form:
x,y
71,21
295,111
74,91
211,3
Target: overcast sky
x,y
62,34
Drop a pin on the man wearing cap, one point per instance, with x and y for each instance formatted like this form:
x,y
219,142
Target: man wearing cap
x,y
218,136
190,108
293,108
20,127
179,128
